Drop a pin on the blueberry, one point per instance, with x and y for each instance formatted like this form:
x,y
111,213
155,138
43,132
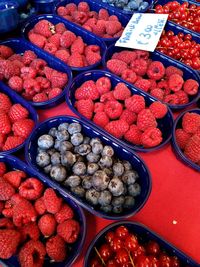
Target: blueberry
x,y
92,196
118,201
127,165
58,173
51,151
40,150
52,132
119,5
65,146
62,135
129,177
72,181
55,158
86,182
133,5
45,141
126,8
63,126
105,198
78,190
86,140
97,148
118,169
79,158
100,180
106,209
107,151
79,168
117,209
108,171
74,128
47,169
92,168
116,187
143,6
129,202
76,139
43,159
134,189
68,159
105,162
91,157
83,149
94,140
57,144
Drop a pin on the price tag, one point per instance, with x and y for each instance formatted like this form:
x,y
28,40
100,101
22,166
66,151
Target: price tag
x,y
143,31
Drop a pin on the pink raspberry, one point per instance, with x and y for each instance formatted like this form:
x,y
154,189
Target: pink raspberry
x,y
103,85
142,54
99,28
101,119
135,103
41,97
58,79
28,57
182,97
93,58
44,28
78,46
43,82
50,48
192,148
143,84
107,97
126,56
88,90
60,28
37,39
113,27
119,33
79,17
62,11
91,22
5,51
158,109
157,93
67,39
16,83
14,57
92,49
128,116
121,92
129,76
54,92
156,70
98,107
171,99
173,70
133,135
103,14
55,39
139,66
113,18
28,72
62,54
151,137
182,138
113,109
191,122
39,65
85,107
116,66
10,70
71,7
31,84
146,119
191,87
117,128
84,7
175,82
87,27
153,83
75,60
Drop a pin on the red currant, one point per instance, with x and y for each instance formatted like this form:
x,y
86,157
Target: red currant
x,y
131,243
116,244
95,262
140,251
122,232
109,236
153,248
105,252
143,261
112,263
122,256
164,261
175,262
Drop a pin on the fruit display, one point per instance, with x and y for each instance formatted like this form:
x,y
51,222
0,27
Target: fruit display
x,y
36,224
99,22
154,75
62,41
88,167
129,6
182,13
129,244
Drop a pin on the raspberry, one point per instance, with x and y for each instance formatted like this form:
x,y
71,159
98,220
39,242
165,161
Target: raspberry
x,y
32,254
101,119
113,27
8,213
91,22
31,85
143,84
157,93
113,109
182,97
5,103
6,223
6,189
18,112
5,125
98,107
153,84
28,72
103,85
55,40
171,99
84,7
2,140
16,83
9,241
85,107
11,70
56,248
151,137
52,201
47,224
37,39
30,231
39,65
43,83
103,14
142,54
145,120
54,92
133,135
5,52
40,206
172,70
117,128
71,7
129,76
15,57
12,142
116,66
75,60
50,48
14,177
2,168
69,230
156,70
23,127
139,66
79,17
92,49
62,55
128,116
28,57
182,138
107,97
135,103
191,87
92,58
158,109
78,46
126,56
62,11
60,28
99,28
44,28
192,149
121,92
31,189
87,27
175,82
67,39
41,97
191,122
88,90
65,213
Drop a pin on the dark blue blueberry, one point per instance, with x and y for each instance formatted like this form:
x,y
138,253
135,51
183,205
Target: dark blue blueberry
x,y
134,190
106,209
68,159
83,149
118,201
55,158
91,157
58,173
63,126
62,135
117,209
57,144
97,148
79,168
43,159
129,202
52,132
45,141
74,128
47,169
51,151
86,182
129,177
143,6
65,146
105,162
105,198
118,169
127,165
76,139
92,168
92,196
78,190
72,181
86,140
100,180
107,151
116,187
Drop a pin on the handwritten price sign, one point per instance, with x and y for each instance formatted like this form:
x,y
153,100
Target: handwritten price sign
x,y
143,31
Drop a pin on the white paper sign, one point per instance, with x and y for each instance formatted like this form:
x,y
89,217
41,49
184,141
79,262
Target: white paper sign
x,y
143,31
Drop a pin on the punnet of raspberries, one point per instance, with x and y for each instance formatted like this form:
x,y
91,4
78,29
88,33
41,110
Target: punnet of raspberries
x,y
120,113
64,44
30,76
100,23
164,83
35,223
15,123
188,136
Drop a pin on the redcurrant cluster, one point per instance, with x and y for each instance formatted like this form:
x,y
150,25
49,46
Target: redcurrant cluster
x,y
181,47
186,15
123,249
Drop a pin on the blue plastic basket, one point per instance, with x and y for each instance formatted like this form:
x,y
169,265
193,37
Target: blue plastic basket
x,y
179,153
15,98
144,235
120,152
165,124
188,73
15,164
88,37
44,6
96,6
9,16
20,46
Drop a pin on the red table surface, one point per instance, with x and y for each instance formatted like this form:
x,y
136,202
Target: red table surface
x,y
175,197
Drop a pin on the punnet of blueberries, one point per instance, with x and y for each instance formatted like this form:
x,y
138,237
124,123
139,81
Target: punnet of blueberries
x,y
88,168
126,5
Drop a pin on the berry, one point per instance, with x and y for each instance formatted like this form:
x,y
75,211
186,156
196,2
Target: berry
x,y
56,249
9,241
69,230
28,57
6,223
182,138
5,103
54,93
65,213
50,48
14,177
5,52
133,135
116,66
117,128
63,55
158,109
113,27
28,72
100,180
157,93
93,58
145,120
143,84
12,142
191,87
32,254
41,97
151,137
113,109
67,39
192,148
85,107
78,46
128,116
2,168
98,107
37,39
171,99
6,189
116,186
55,40
40,206
30,231
17,112
139,66
31,189
121,92
103,85
58,79
107,97
101,119
175,82
16,83
126,56
23,127
45,141
182,97
172,70
44,27
47,224
51,201
156,70
135,103
129,76
191,122
76,61
88,90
